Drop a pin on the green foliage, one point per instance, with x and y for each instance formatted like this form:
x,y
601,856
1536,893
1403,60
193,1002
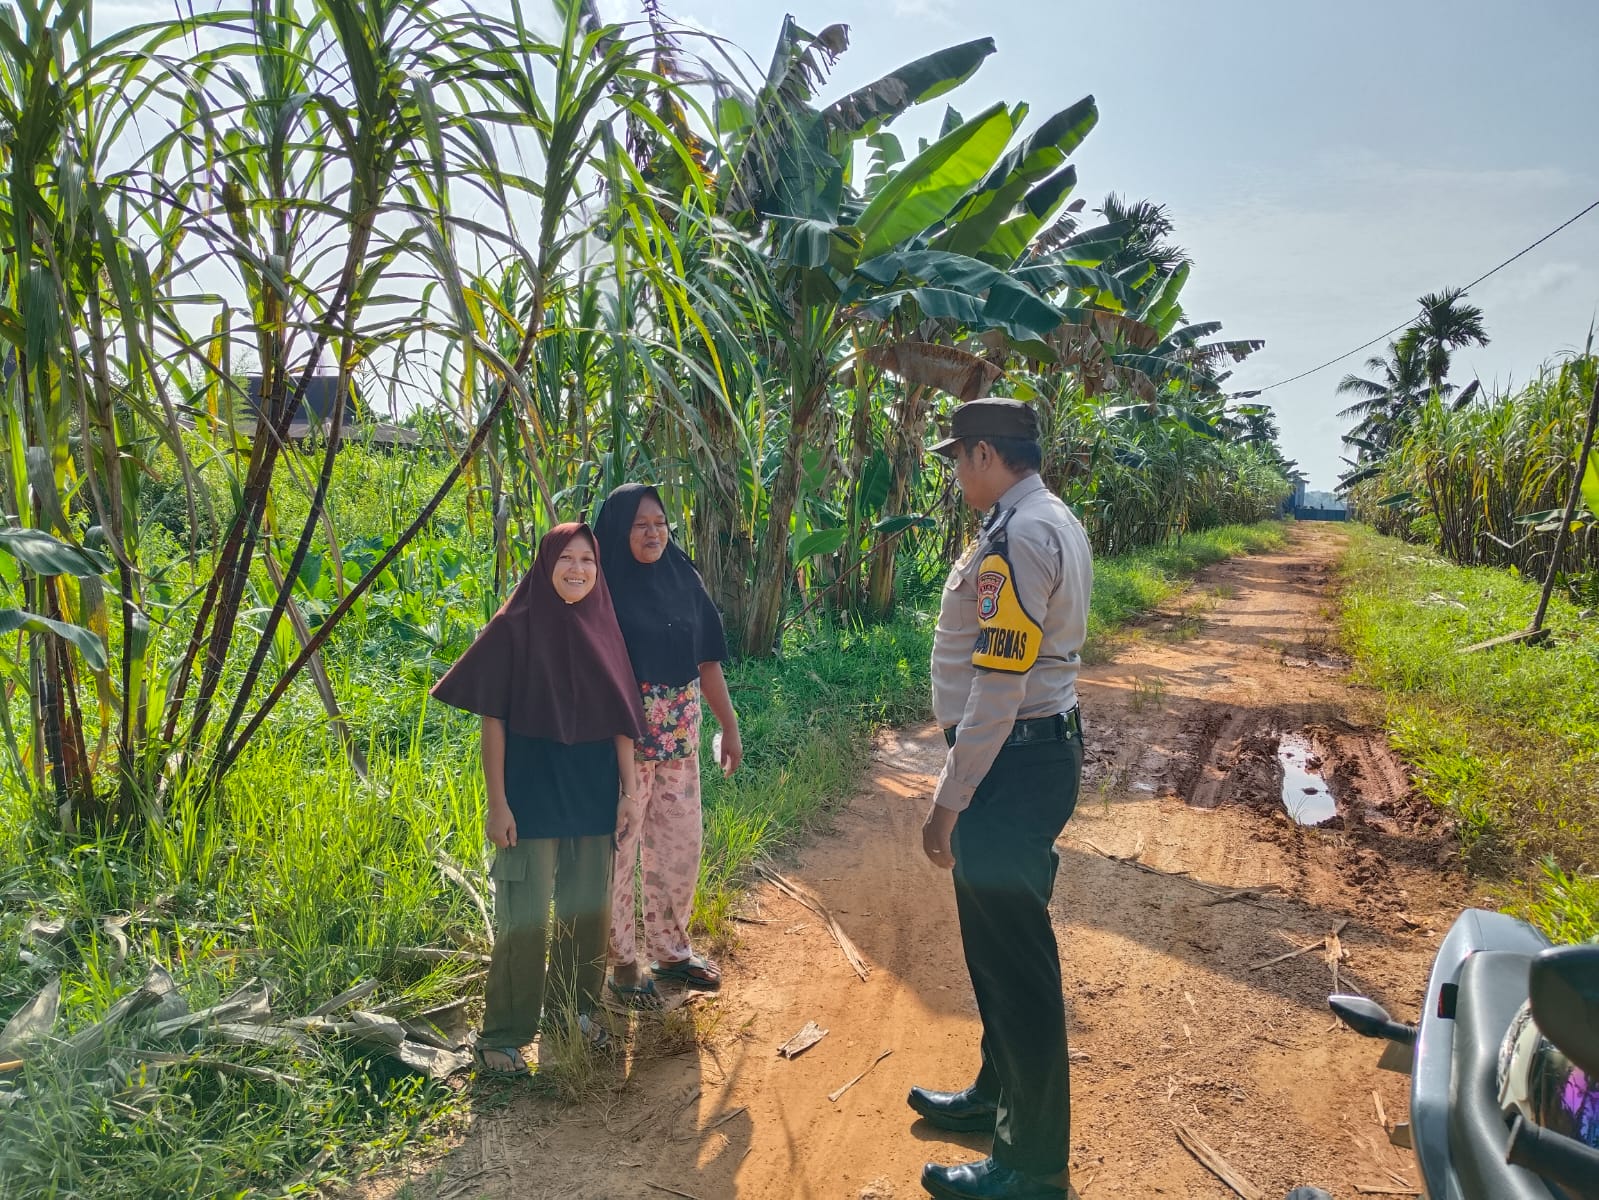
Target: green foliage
x,y
1485,480
190,598
1567,905
1505,739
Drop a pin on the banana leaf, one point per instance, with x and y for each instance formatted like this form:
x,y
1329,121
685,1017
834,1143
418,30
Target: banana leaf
x,y
87,642
974,226
868,109
49,555
924,190
921,364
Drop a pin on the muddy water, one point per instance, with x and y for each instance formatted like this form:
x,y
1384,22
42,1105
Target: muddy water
x,y
1306,795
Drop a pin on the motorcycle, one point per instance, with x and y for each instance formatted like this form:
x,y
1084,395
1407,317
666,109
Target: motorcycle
x,y
1487,968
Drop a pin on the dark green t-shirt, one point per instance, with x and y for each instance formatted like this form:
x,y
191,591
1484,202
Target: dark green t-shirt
x,y
555,790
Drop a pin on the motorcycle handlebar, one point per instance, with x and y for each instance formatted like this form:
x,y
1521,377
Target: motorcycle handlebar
x,y
1559,1159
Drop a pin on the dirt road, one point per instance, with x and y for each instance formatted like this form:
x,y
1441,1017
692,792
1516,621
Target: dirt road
x,y
1171,1021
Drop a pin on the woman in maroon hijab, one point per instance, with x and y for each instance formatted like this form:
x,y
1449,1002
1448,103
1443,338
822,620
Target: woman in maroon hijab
x,y
550,677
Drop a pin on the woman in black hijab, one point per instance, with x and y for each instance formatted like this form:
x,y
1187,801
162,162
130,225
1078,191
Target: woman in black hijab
x,y
677,645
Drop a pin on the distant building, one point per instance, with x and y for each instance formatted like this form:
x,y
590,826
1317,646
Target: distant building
x,y
1317,506
311,416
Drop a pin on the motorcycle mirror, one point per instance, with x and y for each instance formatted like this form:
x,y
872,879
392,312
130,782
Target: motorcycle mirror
x,y
1370,1019
1563,985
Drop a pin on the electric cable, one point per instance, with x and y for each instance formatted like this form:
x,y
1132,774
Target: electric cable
x,y
1382,336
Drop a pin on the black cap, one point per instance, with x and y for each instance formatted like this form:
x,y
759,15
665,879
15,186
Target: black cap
x,y
989,419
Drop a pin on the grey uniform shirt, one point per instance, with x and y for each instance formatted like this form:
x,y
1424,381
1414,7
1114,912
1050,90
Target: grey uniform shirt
x,y
1011,627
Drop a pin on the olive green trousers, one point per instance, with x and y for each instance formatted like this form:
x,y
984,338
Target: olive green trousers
x,y
552,917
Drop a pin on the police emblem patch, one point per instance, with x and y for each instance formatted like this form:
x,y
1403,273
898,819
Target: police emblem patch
x,y
989,586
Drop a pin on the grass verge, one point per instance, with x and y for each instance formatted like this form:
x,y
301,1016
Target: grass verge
x,y
302,880
1506,739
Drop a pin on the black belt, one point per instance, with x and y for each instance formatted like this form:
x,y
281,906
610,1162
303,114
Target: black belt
x,y
1036,729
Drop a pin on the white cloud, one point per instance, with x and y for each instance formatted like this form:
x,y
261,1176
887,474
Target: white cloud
x,y
941,11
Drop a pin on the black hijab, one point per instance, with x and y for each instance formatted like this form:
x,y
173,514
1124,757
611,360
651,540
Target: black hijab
x,y
667,617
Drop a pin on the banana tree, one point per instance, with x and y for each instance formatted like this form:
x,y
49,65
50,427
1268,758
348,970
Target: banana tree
x,y
999,223
909,242
782,177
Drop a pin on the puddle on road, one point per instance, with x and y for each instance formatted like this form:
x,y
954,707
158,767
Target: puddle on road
x,y
1306,795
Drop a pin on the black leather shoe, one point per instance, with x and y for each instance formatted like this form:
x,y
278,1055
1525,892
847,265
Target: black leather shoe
x,y
959,1112
987,1180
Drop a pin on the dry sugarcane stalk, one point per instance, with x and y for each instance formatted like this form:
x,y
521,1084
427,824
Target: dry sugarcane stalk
x,y
834,1095
1130,860
1217,1165
1321,945
456,876
221,1066
359,992
851,952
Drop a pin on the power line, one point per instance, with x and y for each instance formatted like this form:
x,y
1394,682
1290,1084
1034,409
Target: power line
x,y
1382,336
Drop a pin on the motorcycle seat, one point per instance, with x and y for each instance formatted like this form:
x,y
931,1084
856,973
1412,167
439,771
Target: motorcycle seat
x,y
1493,985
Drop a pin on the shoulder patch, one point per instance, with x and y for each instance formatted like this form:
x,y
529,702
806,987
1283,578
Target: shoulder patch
x,y
1007,638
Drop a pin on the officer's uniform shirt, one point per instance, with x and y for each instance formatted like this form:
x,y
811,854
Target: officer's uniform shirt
x,y
1011,627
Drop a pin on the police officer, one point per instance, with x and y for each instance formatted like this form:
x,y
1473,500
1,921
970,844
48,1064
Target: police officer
x,y
1005,660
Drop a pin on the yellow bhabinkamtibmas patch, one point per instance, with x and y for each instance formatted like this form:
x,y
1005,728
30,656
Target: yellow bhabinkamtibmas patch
x,y
1008,638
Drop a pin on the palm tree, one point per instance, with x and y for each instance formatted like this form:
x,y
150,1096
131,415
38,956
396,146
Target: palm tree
x,y
1388,401
1149,226
1250,423
1446,324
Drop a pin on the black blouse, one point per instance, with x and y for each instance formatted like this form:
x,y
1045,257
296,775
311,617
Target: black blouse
x,y
557,791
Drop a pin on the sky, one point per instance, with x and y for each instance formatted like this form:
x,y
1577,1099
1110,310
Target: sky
x,y
1325,164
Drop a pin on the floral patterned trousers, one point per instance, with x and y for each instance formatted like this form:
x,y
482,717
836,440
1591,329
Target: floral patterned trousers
x,y
664,828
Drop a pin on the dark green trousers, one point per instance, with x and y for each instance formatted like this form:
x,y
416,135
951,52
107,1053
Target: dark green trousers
x,y
552,919
1005,864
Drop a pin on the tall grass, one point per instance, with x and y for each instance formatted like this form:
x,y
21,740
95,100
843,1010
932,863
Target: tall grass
x,y
1508,739
304,880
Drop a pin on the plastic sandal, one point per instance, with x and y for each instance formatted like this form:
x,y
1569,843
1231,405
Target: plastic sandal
x,y
640,998
511,1054
696,971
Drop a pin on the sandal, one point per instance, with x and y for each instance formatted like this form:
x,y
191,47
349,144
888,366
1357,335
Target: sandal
x,y
640,998
592,1030
511,1055
695,971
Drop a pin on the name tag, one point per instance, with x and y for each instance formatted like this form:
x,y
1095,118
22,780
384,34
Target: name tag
x,y
1008,639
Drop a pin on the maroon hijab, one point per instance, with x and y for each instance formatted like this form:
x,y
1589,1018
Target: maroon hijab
x,y
547,668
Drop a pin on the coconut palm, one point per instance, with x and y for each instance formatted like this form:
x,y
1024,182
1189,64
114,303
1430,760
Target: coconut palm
x,y
1392,393
1149,228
